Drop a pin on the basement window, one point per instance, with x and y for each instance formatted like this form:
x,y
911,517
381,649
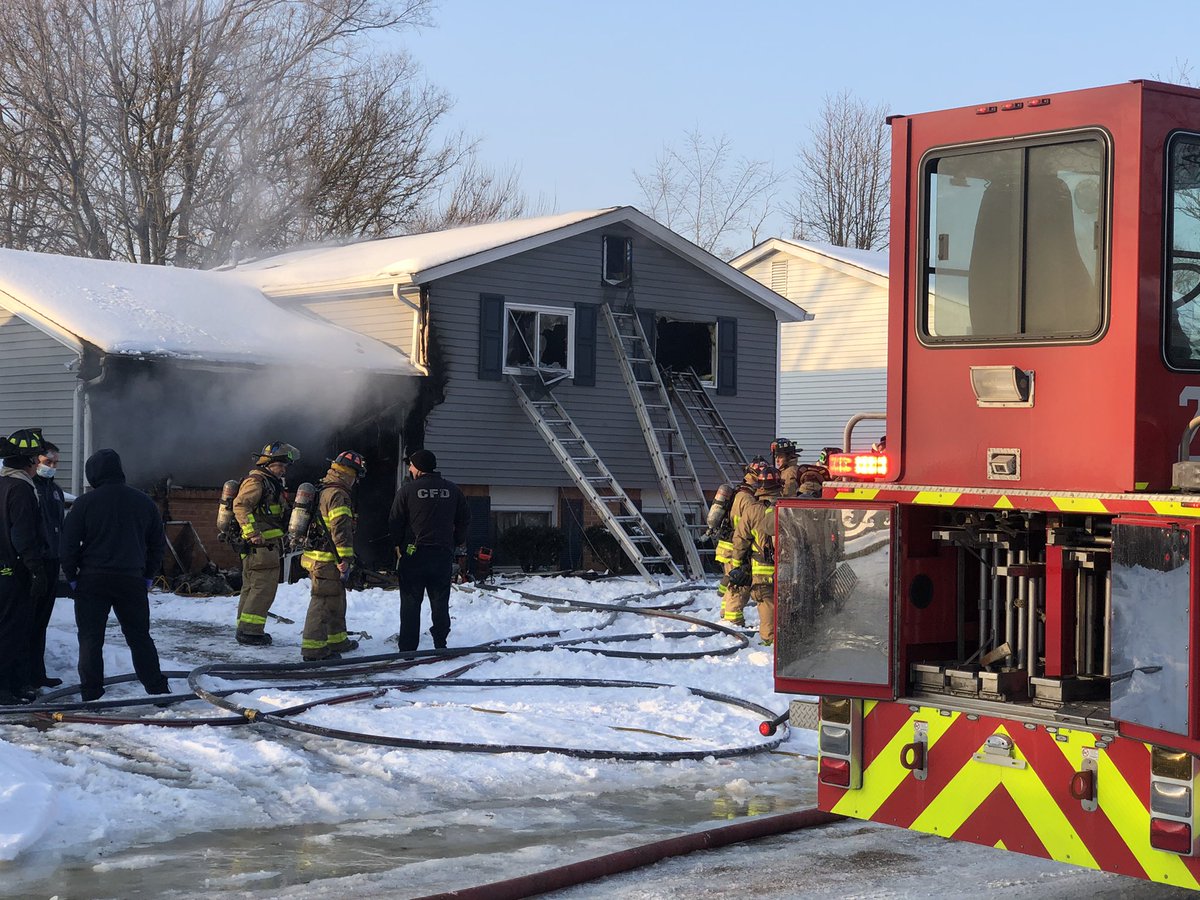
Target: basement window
x,y
540,338
682,345
618,259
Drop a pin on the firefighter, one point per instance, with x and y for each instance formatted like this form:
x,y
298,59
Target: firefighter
x,y
734,599
53,506
328,563
261,512
22,572
784,453
429,519
754,551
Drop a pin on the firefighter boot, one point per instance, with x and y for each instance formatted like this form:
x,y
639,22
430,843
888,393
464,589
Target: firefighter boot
x,y
254,640
344,646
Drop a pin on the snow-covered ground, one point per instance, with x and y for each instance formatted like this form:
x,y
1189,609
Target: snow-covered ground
x,y
256,811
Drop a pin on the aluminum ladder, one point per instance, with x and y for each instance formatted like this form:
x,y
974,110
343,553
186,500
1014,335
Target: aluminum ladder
x,y
620,516
680,487
697,406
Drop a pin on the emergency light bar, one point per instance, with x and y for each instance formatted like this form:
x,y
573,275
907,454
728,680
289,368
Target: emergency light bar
x,y
867,464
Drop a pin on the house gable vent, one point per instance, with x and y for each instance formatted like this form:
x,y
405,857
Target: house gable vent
x,y
779,277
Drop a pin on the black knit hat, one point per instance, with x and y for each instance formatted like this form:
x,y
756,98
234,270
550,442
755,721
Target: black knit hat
x,y
423,460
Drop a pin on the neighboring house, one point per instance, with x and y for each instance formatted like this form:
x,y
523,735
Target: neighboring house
x,y
836,365
471,305
184,373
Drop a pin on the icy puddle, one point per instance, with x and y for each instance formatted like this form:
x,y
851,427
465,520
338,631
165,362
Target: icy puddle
x,y
484,842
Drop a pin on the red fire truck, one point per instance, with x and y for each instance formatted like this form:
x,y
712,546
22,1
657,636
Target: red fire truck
x,y
998,611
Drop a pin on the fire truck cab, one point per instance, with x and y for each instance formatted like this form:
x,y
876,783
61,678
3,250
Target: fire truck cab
x,y
1000,616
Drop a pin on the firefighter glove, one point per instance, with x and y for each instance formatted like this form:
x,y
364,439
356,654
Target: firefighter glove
x,y
739,575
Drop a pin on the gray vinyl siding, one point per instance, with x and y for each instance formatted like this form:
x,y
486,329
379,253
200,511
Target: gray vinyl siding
x,y
480,434
36,386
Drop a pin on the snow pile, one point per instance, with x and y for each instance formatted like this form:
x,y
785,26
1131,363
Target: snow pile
x,y
139,310
27,805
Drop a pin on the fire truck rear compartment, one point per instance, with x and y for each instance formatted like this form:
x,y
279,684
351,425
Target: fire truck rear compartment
x,y
990,609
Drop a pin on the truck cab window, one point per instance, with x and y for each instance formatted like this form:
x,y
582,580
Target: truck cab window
x,y
1182,278
1014,242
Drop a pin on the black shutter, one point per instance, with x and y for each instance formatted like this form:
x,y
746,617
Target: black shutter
x,y
727,357
585,344
491,336
479,532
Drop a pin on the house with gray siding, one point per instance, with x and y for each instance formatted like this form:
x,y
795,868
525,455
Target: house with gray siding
x,y
471,306
834,366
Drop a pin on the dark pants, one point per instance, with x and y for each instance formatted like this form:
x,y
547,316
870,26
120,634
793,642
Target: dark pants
x,y
43,606
125,595
16,614
426,570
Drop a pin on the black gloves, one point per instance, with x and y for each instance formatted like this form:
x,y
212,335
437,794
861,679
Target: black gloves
x,y
739,575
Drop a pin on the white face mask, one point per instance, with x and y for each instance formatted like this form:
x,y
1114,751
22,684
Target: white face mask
x,y
46,471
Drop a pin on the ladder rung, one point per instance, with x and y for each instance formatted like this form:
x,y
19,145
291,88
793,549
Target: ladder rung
x,y
655,559
626,518
597,478
646,383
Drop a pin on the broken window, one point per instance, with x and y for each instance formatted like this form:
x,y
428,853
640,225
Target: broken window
x,y
618,259
539,337
687,345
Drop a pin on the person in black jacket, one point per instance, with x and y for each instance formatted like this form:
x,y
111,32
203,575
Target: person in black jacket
x,y
112,546
429,520
22,548
52,503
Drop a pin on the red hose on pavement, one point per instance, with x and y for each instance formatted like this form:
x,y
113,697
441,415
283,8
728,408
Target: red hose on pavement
x,y
625,860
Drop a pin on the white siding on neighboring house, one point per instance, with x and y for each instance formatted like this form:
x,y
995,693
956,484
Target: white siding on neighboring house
x,y
37,386
383,317
834,366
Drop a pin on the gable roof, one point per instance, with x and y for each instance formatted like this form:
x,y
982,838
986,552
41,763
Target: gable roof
x,y
869,265
136,310
422,258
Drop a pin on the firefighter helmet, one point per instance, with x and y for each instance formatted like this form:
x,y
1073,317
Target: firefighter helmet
x,y
784,447
754,466
278,451
348,459
768,478
23,442
826,452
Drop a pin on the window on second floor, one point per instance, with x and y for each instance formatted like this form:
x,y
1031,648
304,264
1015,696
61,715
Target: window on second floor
x,y
540,338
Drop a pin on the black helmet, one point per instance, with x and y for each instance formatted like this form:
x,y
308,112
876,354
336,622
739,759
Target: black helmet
x,y
277,451
826,452
348,459
754,467
24,442
784,447
768,478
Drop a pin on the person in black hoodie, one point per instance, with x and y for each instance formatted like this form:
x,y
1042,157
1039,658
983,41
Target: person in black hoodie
x,y
112,545
52,503
429,520
22,548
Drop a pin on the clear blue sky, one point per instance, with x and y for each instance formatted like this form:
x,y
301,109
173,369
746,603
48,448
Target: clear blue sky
x,y
579,93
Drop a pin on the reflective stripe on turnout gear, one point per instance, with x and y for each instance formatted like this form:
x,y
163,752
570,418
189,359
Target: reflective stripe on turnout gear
x,y
247,619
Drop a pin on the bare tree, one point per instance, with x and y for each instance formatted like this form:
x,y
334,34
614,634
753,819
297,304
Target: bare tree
x,y
842,176
703,191
162,131
478,193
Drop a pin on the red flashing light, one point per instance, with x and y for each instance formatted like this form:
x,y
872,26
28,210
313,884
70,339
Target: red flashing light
x,y
858,465
1173,837
984,110
1009,107
1039,101
837,772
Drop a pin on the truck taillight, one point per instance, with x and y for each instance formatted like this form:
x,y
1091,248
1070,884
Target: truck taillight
x,y
858,465
1173,778
839,742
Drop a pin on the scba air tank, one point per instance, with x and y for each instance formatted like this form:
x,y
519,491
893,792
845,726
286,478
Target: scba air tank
x,y
302,510
225,518
720,506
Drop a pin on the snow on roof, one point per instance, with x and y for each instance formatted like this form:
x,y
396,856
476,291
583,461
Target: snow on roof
x,y
872,260
139,310
397,258
423,258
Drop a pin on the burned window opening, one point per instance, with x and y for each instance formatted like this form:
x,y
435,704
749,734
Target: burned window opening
x,y
687,345
539,338
618,259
